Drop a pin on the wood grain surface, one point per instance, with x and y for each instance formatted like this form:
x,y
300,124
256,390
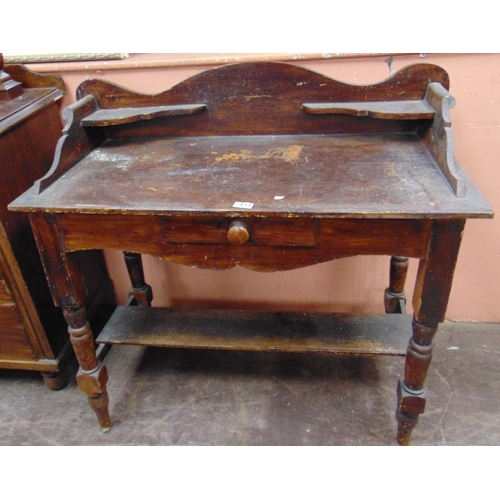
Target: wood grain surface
x,y
377,176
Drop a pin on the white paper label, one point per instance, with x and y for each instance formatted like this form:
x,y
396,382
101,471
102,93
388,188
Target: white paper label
x,y
242,204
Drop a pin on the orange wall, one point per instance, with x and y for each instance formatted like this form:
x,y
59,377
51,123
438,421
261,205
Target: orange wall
x,y
355,284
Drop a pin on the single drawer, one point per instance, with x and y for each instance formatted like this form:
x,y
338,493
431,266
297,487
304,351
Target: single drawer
x,y
242,231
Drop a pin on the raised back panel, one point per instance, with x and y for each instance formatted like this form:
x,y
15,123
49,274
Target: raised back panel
x,y
264,98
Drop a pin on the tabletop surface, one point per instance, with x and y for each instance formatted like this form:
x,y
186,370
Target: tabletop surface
x,y
347,175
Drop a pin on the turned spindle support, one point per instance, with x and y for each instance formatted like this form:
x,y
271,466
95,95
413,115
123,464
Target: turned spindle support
x,y
395,296
140,290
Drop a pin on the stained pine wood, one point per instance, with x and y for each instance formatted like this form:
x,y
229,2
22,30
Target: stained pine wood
x,y
438,138
106,117
139,290
75,144
395,295
269,96
274,243
259,180
362,176
385,110
259,331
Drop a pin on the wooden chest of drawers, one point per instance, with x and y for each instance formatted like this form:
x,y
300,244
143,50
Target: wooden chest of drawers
x,y
32,330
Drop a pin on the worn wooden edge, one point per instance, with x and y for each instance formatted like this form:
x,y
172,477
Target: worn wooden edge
x,y
107,117
259,331
47,365
439,140
385,110
9,88
21,114
441,101
28,203
43,364
74,144
449,167
103,89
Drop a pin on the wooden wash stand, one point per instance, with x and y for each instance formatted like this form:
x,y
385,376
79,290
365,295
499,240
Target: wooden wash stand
x,y
271,167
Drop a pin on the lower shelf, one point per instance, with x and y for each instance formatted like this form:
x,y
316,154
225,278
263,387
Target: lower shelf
x,y
259,331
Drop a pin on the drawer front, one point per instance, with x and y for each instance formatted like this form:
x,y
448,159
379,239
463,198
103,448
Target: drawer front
x,y
376,236
242,231
272,244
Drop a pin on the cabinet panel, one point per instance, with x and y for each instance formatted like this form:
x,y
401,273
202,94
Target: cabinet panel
x,y
14,343
4,291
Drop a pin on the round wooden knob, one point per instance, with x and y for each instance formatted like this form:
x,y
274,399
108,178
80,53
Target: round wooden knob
x,y
238,233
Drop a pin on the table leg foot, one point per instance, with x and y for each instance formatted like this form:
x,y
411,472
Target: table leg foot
x,y
406,424
100,406
55,381
394,303
410,405
411,390
144,296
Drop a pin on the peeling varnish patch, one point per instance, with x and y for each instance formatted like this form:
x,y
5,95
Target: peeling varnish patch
x,y
290,154
117,160
202,170
248,97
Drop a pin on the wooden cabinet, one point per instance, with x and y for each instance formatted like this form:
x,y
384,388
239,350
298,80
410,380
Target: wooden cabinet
x,y
33,333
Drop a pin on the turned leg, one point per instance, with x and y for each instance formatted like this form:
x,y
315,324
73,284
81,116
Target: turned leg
x,y
68,290
92,375
395,296
432,291
411,390
140,290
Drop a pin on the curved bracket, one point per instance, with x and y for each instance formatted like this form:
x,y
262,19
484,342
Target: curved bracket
x,y
439,137
75,143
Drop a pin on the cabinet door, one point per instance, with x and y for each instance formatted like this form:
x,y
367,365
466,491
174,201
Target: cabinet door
x,y
14,343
